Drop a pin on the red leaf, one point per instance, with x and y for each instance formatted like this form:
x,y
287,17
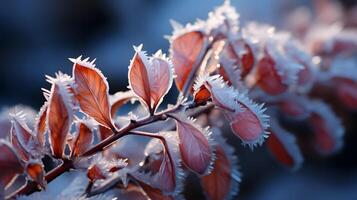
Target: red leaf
x,y
283,146
138,76
22,151
294,106
82,140
154,193
160,78
202,94
244,54
168,175
36,171
10,164
95,173
194,146
21,137
186,50
150,78
59,113
250,123
221,183
347,92
327,128
92,91
268,78
21,130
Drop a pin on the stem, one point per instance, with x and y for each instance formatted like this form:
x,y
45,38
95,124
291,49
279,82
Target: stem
x,y
32,186
115,181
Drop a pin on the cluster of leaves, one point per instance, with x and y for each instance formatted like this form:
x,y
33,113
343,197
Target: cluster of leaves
x,y
220,69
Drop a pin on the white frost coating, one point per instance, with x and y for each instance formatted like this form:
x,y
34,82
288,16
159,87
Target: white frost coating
x,y
289,142
334,124
105,164
179,29
122,95
153,147
232,158
223,19
84,62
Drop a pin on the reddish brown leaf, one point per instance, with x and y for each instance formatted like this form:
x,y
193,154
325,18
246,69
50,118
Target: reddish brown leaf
x,y
21,150
59,114
347,92
150,78
219,183
195,149
283,147
91,91
293,108
160,78
95,173
82,140
245,55
40,126
21,130
10,164
154,193
268,78
138,76
186,50
167,174
202,95
249,123
327,128
36,172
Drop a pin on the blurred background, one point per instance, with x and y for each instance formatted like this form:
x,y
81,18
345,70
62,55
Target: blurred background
x,y
37,37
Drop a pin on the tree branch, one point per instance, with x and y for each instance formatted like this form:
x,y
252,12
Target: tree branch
x,y
67,164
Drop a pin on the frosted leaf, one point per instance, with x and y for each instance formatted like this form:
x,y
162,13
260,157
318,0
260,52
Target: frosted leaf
x,y
195,144
169,175
60,112
283,146
91,90
150,78
327,127
222,182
